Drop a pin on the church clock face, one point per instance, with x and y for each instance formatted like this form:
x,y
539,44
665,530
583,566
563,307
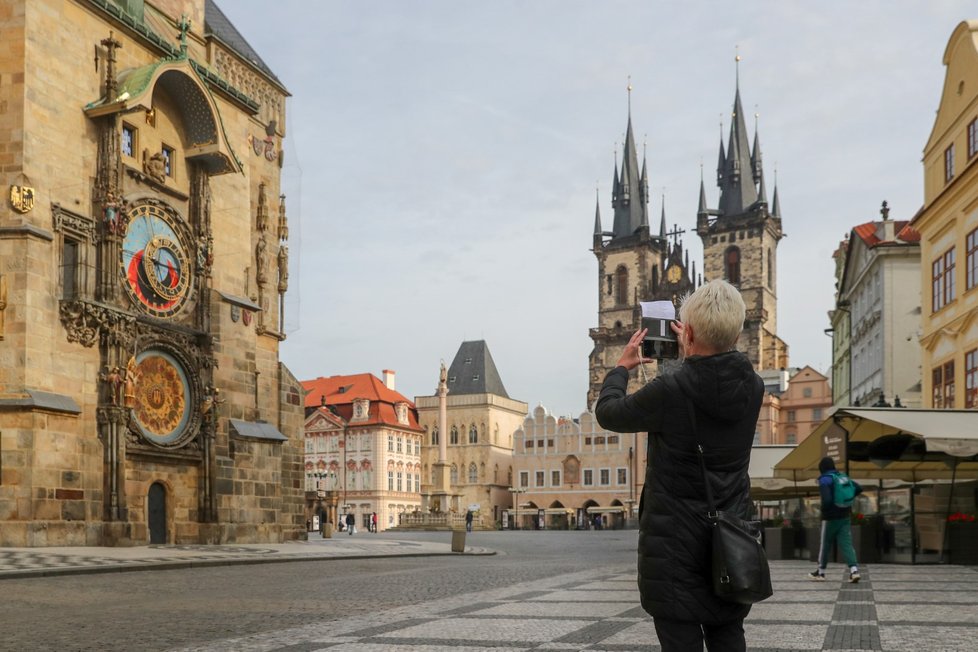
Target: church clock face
x,y
674,274
163,399
156,268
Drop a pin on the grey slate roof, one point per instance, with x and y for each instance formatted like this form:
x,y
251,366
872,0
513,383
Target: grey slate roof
x,y
218,25
474,372
630,195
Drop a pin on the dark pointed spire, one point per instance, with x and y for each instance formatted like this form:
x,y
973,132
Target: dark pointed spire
x,y
761,192
644,182
755,157
776,204
662,222
737,189
702,210
631,207
597,213
722,162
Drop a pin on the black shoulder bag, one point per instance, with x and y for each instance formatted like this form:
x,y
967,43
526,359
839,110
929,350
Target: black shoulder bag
x,y
740,570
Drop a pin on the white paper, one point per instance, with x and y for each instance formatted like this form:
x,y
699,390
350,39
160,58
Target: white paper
x,y
658,309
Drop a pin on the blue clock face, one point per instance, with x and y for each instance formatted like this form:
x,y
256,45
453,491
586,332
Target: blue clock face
x,y
156,269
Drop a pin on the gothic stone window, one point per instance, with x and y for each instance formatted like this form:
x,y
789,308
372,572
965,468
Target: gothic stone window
x,y
454,436
473,473
473,434
731,265
434,437
454,475
621,286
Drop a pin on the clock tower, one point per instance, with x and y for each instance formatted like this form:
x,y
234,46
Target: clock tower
x,y
633,266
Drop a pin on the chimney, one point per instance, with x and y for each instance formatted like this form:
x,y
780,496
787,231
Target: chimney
x,y
388,379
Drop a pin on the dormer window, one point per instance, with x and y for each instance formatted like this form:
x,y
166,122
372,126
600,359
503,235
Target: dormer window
x,y
402,413
468,361
361,407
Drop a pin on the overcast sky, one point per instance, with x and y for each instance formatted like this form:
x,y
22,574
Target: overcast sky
x,y
442,160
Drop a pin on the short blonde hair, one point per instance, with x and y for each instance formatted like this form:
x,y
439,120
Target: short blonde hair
x,y
716,312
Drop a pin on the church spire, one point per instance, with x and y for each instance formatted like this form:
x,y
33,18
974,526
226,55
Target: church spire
x,y
737,189
631,199
597,214
722,162
755,157
702,210
776,204
662,222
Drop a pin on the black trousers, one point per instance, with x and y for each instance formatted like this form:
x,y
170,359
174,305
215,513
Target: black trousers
x,y
678,636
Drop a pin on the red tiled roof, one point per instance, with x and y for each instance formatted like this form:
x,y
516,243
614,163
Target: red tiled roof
x,y
904,233
339,392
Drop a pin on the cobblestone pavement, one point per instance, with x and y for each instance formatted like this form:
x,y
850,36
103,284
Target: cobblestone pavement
x,y
543,591
41,562
893,608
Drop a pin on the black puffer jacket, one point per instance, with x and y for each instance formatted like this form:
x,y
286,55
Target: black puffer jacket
x,y
674,534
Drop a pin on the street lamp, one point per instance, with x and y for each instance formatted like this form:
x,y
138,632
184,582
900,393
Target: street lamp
x,y
516,491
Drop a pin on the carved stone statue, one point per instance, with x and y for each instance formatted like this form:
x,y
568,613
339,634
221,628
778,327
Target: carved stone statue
x,y
443,374
111,208
283,268
155,167
261,219
261,261
113,379
132,375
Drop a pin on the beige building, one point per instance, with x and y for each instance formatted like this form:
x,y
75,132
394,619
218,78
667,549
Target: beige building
x,y
143,268
879,297
570,472
481,421
795,403
948,227
363,450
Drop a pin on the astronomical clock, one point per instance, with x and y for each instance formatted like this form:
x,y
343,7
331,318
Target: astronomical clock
x,y
155,264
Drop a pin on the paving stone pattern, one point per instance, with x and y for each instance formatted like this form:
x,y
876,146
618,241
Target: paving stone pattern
x,y
893,608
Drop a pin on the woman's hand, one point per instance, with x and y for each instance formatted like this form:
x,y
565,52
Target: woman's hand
x,y
684,335
631,357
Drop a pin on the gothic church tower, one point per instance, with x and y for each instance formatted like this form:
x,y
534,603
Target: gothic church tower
x,y
740,241
631,262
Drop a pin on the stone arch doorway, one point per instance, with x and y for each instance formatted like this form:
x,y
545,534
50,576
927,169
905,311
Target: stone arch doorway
x,y
156,517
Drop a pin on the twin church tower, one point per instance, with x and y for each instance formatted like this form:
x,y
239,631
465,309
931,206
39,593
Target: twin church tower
x,y
740,244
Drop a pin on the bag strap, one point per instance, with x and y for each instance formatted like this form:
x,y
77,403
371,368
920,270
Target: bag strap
x,y
712,514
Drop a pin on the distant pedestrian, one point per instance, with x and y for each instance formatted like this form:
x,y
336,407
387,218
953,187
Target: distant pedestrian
x,y
373,522
468,521
351,524
837,491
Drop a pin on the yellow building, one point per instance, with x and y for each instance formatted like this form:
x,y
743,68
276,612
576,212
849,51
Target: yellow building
x,y
948,226
481,421
143,267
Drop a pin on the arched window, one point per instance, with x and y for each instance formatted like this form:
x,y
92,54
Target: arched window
x,y
454,476
621,286
454,437
770,269
473,473
731,265
473,434
434,437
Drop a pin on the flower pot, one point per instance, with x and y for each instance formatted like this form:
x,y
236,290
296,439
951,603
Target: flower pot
x,y
962,542
779,543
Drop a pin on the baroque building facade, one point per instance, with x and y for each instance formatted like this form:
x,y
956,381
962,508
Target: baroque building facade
x,y
948,228
143,266
481,420
363,450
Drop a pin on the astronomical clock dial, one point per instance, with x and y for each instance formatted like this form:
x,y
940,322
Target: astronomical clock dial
x,y
163,399
674,274
156,268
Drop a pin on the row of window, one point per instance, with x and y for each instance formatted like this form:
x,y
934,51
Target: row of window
x,y
972,150
943,383
943,284
453,437
588,441
130,147
588,479
396,481
399,444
